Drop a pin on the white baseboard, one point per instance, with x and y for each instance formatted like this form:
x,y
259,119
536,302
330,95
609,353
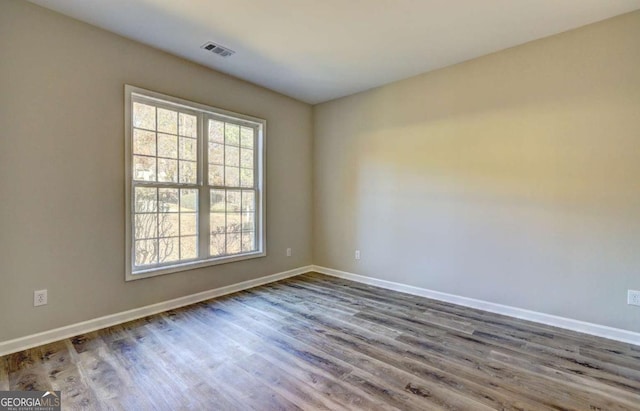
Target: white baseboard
x,y
547,319
30,341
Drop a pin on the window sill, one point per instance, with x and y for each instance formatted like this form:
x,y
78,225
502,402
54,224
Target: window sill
x,y
192,265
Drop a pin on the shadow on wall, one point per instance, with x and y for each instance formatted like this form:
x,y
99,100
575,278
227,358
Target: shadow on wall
x,y
459,199
512,179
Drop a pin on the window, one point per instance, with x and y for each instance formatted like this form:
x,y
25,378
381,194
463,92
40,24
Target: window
x,y
195,185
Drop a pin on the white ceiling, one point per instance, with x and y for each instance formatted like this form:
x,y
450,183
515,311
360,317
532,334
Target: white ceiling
x,y
318,50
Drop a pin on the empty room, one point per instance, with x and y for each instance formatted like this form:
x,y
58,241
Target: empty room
x,y
319,205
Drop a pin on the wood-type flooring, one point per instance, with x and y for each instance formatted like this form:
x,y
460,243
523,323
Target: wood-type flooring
x,y
315,342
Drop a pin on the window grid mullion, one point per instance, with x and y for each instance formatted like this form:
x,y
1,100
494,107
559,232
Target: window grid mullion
x,y
178,144
202,185
204,234
163,185
157,241
224,157
224,182
179,190
241,225
230,188
257,176
179,224
226,220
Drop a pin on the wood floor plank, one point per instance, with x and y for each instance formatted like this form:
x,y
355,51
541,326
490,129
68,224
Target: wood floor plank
x,y
4,374
591,390
584,340
253,393
323,343
631,394
288,387
367,358
150,379
410,311
187,362
318,372
223,332
494,343
60,366
430,374
183,375
627,360
567,360
370,383
26,371
320,360
336,390
110,383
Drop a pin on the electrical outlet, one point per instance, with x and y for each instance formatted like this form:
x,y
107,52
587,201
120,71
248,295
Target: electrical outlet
x,y
39,298
633,297
288,252
357,254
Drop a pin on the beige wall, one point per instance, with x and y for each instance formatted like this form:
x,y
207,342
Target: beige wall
x,y
513,178
62,169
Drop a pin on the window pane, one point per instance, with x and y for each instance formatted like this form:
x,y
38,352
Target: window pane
x,y
246,177
145,226
232,156
144,168
188,248
188,125
216,175
248,222
144,116
233,223
189,200
233,201
233,243
246,158
231,134
144,142
216,131
146,252
217,200
168,200
188,224
167,121
188,172
168,224
167,146
246,137
232,176
217,223
217,245
188,149
216,153
146,199
248,200
248,241
167,170
165,150
169,250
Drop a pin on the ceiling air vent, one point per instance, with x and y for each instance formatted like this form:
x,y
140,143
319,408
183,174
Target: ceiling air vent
x,y
218,49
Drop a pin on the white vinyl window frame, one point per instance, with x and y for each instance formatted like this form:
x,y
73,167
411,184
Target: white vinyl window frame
x,y
204,114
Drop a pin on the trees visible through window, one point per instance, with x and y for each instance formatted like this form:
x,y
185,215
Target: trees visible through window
x,y
195,185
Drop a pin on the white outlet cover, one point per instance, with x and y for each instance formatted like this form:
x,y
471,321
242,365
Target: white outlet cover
x,y
39,298
357,254
633,297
